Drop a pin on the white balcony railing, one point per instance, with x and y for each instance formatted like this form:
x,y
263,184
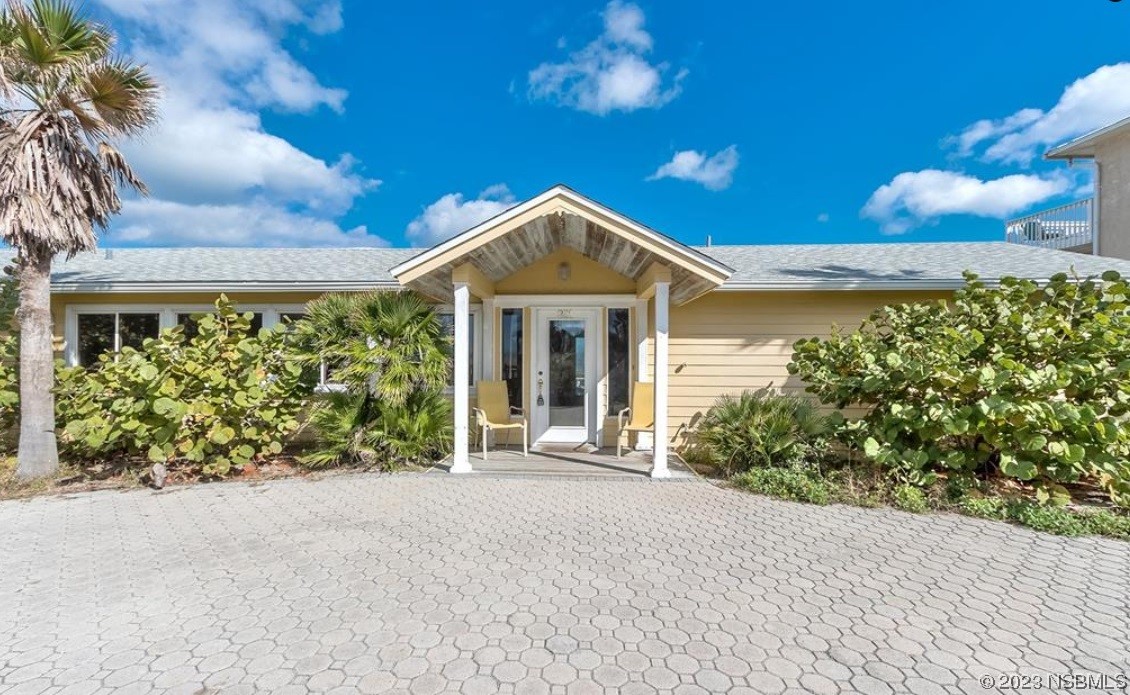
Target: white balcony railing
x,y
1064,227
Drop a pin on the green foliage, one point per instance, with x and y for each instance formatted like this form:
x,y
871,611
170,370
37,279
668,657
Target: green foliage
x,y
1104,522
391,353
9,382
389,343
959,485
1055,520
356,429
796,483
9,352
221,399
9,299
1060,520
910,498
983,507
1027,382
761,428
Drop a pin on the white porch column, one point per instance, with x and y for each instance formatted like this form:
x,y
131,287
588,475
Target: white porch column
x,y
643,439
659,447
461,462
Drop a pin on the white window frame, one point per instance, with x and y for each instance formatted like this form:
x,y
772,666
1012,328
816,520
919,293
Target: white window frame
x,y
168,319
70,337
271,318
476,311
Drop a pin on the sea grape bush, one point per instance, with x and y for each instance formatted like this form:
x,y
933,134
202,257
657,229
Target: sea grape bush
x,y
1026,381
221,399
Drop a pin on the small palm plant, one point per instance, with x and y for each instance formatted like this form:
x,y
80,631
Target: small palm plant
x,y
64,96
761,428
392,355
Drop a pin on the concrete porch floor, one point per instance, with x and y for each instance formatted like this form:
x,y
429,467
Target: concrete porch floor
x,y
602,463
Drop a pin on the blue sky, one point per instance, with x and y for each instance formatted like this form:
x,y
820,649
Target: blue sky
x,y
293,123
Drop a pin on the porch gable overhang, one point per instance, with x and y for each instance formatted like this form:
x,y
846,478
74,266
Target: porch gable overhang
x,y
560,217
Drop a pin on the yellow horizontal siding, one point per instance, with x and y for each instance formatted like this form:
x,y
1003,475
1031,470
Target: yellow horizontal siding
x,y
729,342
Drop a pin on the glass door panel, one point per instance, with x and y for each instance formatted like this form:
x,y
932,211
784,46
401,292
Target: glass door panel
x,y
566,373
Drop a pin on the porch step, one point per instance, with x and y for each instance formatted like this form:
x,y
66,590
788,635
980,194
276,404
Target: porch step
x,y
565,448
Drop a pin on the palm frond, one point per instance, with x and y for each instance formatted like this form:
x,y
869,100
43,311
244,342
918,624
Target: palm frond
x,y
59,179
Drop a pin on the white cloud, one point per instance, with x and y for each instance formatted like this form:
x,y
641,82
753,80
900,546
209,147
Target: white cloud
x,y
451,214
715,172
986,129
823,217
222,154
221,63
1090,102
255,223
612,72
914,198
222,51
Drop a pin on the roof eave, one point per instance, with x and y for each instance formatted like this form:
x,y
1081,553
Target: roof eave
x,y
216,286
403,271
1083,147
885,285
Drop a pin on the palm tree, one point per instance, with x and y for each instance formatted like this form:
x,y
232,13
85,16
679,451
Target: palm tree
x,y
392,355
65,95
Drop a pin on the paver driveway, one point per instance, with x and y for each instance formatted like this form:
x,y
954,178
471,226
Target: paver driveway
x,y
428,584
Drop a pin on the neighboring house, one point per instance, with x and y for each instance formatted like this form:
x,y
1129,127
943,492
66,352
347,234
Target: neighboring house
x,y
1102,228
566,300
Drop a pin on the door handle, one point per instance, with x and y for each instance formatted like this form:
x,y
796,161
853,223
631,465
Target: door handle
x,y
541,383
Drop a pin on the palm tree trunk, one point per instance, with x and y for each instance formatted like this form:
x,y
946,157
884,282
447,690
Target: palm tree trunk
x,y
38,452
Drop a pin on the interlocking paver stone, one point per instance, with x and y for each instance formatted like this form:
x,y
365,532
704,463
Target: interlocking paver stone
x,y
430,584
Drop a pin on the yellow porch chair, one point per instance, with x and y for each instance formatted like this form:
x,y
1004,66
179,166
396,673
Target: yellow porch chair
x,y
494,413
640,417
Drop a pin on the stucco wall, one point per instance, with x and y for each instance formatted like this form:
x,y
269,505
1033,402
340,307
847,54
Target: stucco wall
x,y
1113,157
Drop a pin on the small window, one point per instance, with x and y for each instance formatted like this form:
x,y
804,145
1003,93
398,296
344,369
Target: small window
x,y
619,359
111,331
133,329
512,354
447,320
95,337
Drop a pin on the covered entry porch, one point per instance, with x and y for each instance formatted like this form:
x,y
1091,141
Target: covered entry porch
x,y
566,302
599,463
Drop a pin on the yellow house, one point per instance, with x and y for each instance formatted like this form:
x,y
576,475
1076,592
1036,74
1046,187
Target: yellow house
x,y
566,300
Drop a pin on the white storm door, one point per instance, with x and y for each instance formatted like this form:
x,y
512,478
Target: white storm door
x,y
564,396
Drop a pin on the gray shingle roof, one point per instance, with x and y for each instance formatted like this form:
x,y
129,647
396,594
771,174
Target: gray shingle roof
x,y
232,265
938,264
784,266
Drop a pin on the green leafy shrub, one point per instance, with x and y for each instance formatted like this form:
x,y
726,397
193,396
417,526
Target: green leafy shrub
x,y
910,498
357,429
221,399
1028,382
1063,521
9,356
1104,522
761,428
9,382
795,483
391,353
958,485
1041,517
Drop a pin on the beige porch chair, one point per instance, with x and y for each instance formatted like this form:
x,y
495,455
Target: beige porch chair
x,y
494,411
640,417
